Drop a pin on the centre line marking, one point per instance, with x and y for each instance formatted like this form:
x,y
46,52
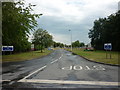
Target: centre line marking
x,y
39,69
54,61
35,71
72,82
60,57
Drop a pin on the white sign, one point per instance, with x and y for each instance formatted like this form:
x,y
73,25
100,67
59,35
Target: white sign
x,y
108,46
32,47
7,48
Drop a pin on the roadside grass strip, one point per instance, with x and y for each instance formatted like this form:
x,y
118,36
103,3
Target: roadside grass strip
x,y
24,56
99,56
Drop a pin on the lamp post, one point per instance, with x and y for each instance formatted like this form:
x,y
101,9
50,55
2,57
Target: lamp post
x,y
71,38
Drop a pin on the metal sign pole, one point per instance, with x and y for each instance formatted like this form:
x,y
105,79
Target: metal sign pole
x,y
110,54
32,48
108,47
106,53
32,53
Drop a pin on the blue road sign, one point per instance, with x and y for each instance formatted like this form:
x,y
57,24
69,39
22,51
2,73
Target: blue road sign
x,y
108,46
7,48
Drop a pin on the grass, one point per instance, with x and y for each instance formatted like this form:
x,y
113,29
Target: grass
x,y
99,56
24,56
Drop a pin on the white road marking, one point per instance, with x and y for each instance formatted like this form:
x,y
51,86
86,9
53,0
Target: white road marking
x,y
77,67
61,56
4,80
40,69
98,67
67,68
87,68
71,82
54,61
35,71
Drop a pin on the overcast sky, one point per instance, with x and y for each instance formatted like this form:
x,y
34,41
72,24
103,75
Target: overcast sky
x,y
77,15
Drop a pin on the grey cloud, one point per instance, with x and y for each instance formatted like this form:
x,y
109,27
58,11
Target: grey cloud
x,y
57,25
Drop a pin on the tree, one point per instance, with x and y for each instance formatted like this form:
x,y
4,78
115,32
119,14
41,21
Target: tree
x,y
58,44
54,44
42,39
17,22
106,30
76,44
82,44
96,33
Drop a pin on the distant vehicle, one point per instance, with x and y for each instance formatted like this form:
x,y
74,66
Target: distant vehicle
x,y
50,48
89,49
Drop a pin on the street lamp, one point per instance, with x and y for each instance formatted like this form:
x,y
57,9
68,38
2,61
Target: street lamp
x,y
71,38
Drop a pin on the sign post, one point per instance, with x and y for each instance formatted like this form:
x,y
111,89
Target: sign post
x,y
108,47
105,47
32,48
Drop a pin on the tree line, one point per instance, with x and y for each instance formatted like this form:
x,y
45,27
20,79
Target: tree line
x,y
77,44
106,30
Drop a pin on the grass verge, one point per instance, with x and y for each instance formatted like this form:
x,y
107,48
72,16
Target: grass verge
x,y
99,56
24,56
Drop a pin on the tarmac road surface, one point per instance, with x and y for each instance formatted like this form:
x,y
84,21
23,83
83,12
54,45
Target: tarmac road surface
x,y
60,69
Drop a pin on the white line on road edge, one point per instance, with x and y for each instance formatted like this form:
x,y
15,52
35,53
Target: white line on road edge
x,y
35,72
71,82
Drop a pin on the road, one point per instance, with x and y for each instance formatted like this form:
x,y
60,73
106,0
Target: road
x,y
60,69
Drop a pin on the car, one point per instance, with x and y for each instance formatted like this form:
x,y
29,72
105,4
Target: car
x,y
89,49
50,49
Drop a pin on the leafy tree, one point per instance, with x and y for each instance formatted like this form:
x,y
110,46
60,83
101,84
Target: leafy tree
x,y
106,30
54,44
58,44
61,45
17,22
96,33
82,44
77,44
42,39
